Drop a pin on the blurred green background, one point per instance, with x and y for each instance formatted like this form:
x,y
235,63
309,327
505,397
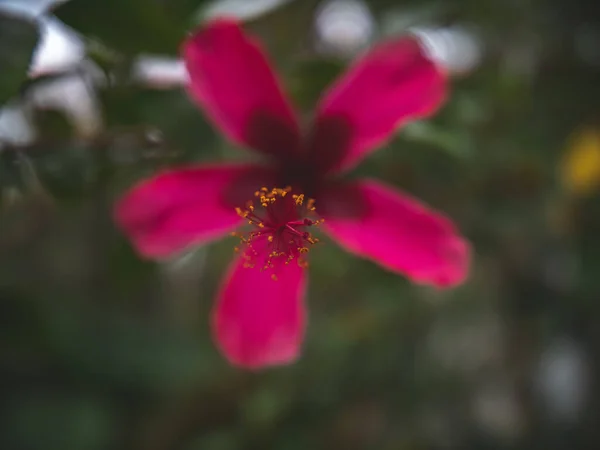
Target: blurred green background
x,y
102,350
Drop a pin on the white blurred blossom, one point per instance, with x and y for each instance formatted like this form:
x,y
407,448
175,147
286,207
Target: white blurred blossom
x,y
59,48
242,9
562,380
74,96
455,48
495,407
344,27
160,72
15,127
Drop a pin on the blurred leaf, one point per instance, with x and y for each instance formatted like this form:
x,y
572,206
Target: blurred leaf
x,y
580,167
11,173
130,26
132,353
66,171
52,124
216,440
264,406
183,10
309,79
60,422
284,30
179,121
453,141
18,38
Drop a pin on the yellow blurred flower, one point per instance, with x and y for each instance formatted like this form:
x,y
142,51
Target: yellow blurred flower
x,y
580,167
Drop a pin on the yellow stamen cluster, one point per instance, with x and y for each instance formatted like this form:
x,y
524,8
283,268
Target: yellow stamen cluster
x,y
267,197
284,240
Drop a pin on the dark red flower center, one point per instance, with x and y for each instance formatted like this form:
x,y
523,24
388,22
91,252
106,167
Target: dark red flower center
x,y
280,220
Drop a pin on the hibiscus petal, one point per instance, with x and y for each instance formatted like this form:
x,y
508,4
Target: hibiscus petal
x,y
180,208
231,78
396,231
258,321
393,83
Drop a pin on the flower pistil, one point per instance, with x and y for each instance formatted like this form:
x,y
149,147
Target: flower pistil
x,y
280,219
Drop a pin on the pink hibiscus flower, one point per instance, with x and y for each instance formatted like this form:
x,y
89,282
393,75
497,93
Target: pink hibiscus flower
x,y
259,319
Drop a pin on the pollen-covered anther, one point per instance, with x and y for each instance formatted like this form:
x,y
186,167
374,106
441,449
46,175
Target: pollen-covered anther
x,y
280,233
299,199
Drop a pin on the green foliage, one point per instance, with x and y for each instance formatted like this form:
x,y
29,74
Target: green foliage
x,y
101,349
321,73
18,38
131,26
171,112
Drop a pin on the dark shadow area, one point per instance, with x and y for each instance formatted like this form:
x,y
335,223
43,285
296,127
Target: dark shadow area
x,y
328,143
246,183
342,201
272,136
